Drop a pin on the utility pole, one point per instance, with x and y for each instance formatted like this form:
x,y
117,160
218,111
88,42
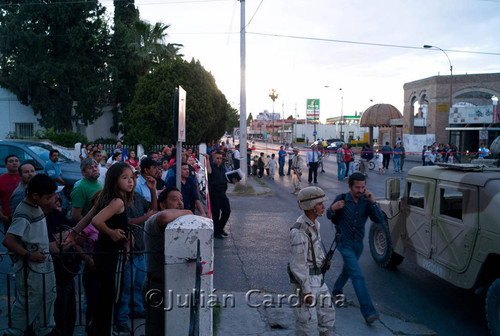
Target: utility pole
x,y
243,96
283,123
273,95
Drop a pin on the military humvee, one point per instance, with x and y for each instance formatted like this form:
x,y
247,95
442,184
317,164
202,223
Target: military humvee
x,y
447,222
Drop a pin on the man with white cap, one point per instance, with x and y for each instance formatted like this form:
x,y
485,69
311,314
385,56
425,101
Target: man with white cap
x,y
315,311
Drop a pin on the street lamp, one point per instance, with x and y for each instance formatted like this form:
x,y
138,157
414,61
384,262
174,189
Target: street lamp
x,y
273,95
426,46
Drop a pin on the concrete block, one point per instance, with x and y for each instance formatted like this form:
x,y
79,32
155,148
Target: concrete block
x,y
181,238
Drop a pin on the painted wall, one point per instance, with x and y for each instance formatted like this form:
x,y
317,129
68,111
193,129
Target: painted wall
x,y
12,112
331,131
414,143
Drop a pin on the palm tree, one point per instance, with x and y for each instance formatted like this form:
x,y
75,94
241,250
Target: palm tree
x,y
148,48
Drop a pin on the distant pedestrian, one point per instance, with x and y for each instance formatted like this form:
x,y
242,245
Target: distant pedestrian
x,y
217,186
272,166
312,158
290,157
386,153
349,213
403,156
261,163
297,170
348,159
396,159
281,160
341,167
380,164
366,157
424,150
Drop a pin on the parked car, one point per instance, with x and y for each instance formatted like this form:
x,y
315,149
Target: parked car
x,y
38,152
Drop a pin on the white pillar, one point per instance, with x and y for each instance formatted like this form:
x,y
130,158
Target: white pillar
x,y
181,238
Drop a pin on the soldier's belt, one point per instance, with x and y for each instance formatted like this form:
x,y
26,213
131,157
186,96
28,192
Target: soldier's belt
x,y
314,271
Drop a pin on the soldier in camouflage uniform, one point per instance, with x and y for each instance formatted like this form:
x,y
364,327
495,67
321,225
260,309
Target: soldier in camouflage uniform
x,y
315,311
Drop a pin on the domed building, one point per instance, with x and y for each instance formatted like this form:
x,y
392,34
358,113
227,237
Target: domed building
x,y
380,115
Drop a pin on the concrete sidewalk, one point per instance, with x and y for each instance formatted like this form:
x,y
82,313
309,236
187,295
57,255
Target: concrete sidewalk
x,y
244,318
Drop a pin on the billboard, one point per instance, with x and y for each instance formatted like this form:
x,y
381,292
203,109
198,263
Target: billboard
x,y
312,111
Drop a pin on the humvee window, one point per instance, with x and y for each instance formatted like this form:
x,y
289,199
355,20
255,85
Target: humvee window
x,y
416,194
451,203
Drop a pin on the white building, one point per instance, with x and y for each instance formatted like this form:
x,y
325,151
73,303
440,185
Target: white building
x,y
16,117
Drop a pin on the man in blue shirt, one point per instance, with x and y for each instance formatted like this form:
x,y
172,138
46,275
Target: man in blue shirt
x,y
349,213
149,167
52,168
281,160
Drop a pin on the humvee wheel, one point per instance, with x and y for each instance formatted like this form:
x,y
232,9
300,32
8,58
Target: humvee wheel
x,y
493,307
381,246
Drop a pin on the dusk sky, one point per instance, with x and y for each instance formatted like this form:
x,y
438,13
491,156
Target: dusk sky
x,y
325,45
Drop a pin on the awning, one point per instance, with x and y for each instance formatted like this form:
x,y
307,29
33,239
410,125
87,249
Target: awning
x,y
473,128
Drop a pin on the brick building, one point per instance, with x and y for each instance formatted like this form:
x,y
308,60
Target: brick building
x,y
427,114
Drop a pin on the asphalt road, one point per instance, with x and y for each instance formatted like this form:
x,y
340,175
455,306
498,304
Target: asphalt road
x,y
256,254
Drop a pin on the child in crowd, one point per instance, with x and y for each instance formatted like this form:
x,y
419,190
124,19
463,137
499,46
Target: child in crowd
x,y
261,163
114,240
268,157
28,238
380,160
273,163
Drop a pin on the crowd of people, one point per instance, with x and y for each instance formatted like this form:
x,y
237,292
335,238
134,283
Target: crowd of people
x,y
119,209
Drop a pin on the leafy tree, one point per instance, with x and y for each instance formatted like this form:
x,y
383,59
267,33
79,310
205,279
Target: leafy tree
x,y
290,117
137,48
54,56
233,120
149,117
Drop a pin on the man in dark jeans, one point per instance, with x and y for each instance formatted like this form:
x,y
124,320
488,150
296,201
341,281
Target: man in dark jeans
x,y
349,213
217,186
386,153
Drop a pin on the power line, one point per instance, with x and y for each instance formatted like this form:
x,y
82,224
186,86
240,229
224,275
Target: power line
x,y
107,1
261,1
368,43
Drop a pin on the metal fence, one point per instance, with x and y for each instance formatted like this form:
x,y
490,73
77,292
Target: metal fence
x,y
17,282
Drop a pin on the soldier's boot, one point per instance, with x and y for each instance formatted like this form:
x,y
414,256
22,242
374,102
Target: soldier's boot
x,y
327,333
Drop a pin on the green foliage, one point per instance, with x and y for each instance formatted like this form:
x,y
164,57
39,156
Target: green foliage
x,y
149,117
64,138
54,57
290,117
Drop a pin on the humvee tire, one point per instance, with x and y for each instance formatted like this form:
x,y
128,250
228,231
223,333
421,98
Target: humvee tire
x,y
493,307
381,246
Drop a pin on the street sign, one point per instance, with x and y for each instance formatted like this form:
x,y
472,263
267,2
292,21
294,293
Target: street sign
x,y
315,133
236,133
181,131
483,135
